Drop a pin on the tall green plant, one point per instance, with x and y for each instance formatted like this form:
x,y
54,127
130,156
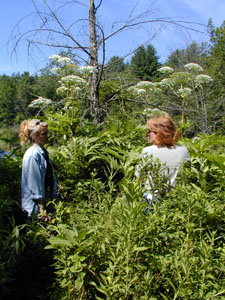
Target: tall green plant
x,y
113,250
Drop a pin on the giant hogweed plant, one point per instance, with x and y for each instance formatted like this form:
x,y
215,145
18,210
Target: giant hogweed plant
x,y
187,85
73,97
185,89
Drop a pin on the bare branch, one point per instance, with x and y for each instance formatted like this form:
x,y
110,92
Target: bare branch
x,y
86,37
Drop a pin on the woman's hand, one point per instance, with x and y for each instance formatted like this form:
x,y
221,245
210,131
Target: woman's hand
x,y
43,216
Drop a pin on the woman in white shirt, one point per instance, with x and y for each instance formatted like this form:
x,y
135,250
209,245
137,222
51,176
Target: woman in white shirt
x,y
164,154
38,184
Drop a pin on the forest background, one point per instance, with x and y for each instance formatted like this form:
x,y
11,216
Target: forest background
x,y
101,245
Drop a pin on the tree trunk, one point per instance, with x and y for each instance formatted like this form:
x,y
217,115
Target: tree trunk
x,y
94,80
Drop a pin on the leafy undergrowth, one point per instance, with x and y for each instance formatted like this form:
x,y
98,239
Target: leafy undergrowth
x,y
103,245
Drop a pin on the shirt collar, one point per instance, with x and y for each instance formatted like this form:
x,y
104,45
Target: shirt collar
x,y
38,148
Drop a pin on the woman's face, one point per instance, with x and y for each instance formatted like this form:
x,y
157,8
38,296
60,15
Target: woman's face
x,y
42,136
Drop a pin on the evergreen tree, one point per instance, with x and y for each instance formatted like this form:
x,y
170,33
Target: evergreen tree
x,y
217,52
145,62
194,53
115,64
7,100
25,92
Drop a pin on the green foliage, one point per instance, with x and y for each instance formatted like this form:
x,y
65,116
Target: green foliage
x,y
10,189
9,211
7,100
92,164
17,92
102,244
194,53
216,59
208,163
25,268
115,65
191,90
108,248
144,63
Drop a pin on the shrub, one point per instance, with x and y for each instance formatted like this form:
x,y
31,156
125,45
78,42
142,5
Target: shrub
x,y
114,250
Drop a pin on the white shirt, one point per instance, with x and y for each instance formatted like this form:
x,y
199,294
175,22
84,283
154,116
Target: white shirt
x,y
170,160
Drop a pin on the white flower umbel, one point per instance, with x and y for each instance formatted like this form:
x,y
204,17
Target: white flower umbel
x,y
73,79
141,91
165,82
203,78
149,112
55,70
55,57
39,102
193,67
64,60
145,84
184,92
166,70
61,90
86,69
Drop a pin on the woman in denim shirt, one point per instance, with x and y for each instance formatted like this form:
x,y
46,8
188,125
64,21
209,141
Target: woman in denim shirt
x,y
38,184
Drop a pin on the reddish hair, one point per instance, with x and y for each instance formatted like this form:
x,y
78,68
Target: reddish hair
x,y
166,131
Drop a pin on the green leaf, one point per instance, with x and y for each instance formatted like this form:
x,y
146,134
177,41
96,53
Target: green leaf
x,y
60,243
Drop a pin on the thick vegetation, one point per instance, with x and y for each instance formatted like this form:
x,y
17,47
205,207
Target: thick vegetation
x,y
102,244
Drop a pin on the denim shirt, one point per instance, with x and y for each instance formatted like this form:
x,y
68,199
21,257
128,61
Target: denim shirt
x,y
33,180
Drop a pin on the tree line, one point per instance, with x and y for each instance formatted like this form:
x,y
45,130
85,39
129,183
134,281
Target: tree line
x,y
19,90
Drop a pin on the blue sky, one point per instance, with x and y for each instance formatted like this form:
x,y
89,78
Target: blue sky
x,y
167,41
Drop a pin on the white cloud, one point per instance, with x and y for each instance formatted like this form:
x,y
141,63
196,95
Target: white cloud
x,y
206,9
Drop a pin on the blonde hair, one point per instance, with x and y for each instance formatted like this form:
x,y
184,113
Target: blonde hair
x,y
29,128
166,131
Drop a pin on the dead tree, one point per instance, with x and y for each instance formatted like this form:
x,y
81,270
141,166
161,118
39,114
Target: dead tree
x,y
55,33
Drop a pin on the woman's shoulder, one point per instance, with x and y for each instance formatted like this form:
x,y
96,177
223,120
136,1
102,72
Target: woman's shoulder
x,y
33,151
180,148
149,150
182,151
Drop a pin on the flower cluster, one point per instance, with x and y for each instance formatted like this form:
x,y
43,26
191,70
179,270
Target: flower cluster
x,y
149,112
61,90
64,60
184,92
60,59
145,84
141,91
55,70
193,67
39,102
132,89
73,80
203,78
166,70
86,69
165,82
55,57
